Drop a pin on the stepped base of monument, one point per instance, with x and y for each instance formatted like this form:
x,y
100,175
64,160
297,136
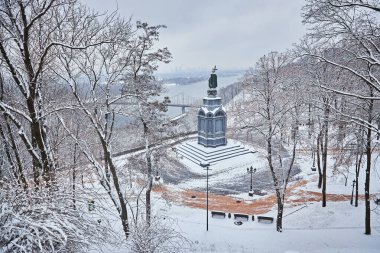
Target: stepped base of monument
x,y
212,143
197,153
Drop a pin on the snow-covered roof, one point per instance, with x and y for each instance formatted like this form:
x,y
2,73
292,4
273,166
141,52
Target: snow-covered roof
x,y
214,111
211,98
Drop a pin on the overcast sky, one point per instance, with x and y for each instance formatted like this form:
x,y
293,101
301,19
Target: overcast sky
x,y
231,34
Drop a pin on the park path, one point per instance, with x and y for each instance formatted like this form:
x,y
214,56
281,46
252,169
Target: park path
x,y
296,195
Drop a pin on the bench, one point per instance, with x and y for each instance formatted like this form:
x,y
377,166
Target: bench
x,y
260,192
218,215
265,219
241,217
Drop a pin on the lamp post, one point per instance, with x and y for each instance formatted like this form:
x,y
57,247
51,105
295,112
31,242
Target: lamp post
x,y
206,165
352,195
251,170
313,168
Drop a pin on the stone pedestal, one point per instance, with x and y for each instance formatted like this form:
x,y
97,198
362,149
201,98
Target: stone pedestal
x,y
212,121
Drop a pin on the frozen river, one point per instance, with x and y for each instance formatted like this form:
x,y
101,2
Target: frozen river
x,y
192,92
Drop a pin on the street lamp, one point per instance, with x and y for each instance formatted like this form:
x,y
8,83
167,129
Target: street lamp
x,y
157,177
156,158
251,170
206,165
352,195
313,168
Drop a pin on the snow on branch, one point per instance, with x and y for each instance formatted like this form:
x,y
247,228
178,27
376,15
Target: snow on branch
x,y
375,85
21,133
345,4
347,93
7,107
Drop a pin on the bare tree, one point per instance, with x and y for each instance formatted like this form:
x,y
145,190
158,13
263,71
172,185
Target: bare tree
x,y
44,45
91,75
351,26
140,82
272,103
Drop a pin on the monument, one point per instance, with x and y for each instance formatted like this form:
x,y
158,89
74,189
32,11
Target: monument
x,y
211,146
212,118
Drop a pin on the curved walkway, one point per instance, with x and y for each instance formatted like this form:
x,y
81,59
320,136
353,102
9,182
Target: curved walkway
x,y
295,196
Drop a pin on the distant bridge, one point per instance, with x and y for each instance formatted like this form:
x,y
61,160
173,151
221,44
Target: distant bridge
x,y
183,106
181,100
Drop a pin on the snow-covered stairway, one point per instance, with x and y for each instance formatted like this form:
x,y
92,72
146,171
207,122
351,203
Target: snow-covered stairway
x,y
197,153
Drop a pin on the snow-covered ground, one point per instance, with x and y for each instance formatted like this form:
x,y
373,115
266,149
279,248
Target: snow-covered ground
x,y
307,226
337,228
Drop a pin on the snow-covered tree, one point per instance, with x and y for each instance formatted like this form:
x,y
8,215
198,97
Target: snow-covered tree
x,y
140,83
39,221
352,28
272,110
33,103
157,236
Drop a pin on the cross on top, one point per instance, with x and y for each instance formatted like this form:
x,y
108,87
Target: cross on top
x,y
214,69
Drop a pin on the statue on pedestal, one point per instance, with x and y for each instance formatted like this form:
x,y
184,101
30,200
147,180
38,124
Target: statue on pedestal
x,y
212,83
212,118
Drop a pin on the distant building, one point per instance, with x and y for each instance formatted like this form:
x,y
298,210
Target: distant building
x,y
212,118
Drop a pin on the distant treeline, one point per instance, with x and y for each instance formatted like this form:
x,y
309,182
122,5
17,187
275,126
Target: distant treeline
x,y
229,92
184,80
193,78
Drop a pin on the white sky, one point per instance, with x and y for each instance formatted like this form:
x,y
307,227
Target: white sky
x,y
231,34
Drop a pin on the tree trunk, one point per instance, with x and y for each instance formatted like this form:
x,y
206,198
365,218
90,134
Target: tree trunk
x,y
17,167
357,170
123,214
309,121
368,168
148,201
324,153
149,174
73,186
38,141
319,161
280,212
356,190
280,205
366,187
74,173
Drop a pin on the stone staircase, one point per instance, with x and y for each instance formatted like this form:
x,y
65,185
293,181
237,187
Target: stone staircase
x,y
197,153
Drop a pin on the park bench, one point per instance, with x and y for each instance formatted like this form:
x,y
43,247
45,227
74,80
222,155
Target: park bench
x,y
265,219
241,217
218,215
260,192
